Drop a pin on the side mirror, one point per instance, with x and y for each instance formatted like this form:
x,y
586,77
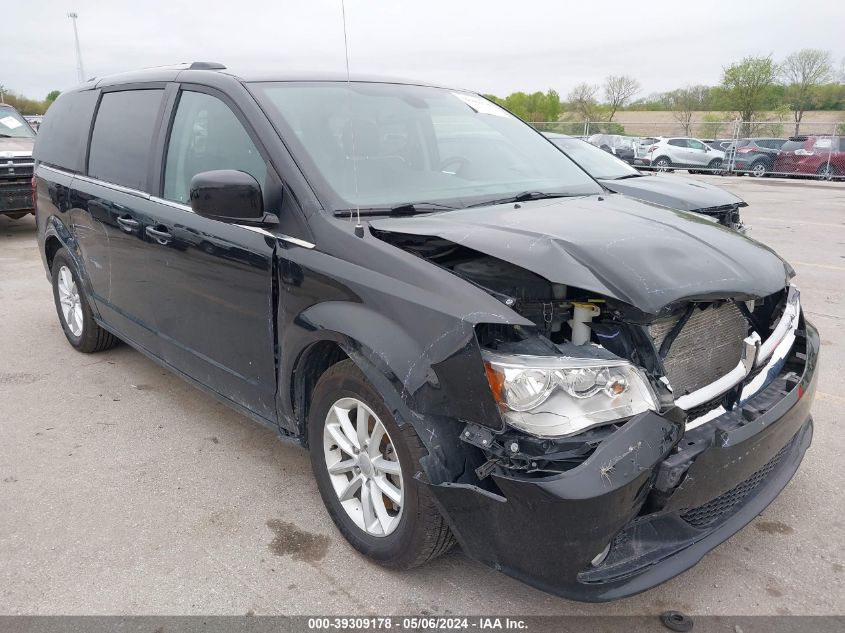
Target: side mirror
x,y
227,195
707,148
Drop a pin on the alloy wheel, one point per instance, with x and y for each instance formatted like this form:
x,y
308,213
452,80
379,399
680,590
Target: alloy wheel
x,y
363,467
70,301
758,170
662,165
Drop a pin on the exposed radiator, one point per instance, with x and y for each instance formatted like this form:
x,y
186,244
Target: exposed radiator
x,y
707,348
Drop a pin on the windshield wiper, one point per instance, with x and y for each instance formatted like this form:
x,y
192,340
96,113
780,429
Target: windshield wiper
x,y
408,208
628,176
525,196
6,136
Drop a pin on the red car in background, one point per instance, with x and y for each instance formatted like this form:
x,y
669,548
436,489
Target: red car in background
x,y
822,156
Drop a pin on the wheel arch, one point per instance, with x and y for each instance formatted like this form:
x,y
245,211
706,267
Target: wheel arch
x,y
56,237
442,379
314,361
52,244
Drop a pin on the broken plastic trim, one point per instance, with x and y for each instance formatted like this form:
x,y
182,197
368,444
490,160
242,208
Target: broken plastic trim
x,y
754,355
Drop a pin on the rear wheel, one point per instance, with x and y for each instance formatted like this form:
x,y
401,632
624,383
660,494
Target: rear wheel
x,y
74,310
826,171
662,164
758,169
365,466
715,166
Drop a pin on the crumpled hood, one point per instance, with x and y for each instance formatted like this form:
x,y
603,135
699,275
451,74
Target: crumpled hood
x,y
17,146
674,192
644,255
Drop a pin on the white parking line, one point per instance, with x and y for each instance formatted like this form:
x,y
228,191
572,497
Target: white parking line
x,y
764,219
827,266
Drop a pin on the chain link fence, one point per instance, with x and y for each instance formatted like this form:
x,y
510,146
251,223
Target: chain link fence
x,y
765,148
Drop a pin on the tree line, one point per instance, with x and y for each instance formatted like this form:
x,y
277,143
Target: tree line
x,y
24,105
805,80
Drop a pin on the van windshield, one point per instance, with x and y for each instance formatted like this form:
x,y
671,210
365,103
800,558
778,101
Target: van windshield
x,y
381,145
598,163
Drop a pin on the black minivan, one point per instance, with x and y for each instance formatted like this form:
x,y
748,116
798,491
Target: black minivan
x,y
475,340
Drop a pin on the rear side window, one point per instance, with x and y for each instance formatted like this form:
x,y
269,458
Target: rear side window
x,y
63,136
678,142
123,137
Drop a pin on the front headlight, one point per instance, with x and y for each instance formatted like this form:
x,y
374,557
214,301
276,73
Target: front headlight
x,y
554,396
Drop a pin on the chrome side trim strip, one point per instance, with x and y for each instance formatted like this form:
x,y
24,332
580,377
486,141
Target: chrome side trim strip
x,y
61,172
176,205
113,187
278,236
723,384
296,241
170,203
94,181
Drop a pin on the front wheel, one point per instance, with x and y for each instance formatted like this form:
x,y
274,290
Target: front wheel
x,y
74,311
365,465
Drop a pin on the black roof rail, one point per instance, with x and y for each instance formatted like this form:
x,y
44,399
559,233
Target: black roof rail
x,y
206,66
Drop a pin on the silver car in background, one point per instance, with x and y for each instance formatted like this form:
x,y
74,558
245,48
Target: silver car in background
x,y
679,152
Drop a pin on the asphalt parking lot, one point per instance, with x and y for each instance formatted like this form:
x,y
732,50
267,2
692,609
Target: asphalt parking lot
x,y
125,490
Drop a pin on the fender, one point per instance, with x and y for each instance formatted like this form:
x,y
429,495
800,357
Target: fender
x,y
444,378
446,458
55,228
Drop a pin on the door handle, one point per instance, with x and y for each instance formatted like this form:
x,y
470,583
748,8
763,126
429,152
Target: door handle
x,y
162,237
128,224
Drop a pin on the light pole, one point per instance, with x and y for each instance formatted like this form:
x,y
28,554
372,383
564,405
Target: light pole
x,y
80,71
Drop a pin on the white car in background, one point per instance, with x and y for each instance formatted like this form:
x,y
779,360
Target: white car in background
x,y
679,152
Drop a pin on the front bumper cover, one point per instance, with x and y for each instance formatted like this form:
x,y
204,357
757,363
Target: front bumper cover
x,y
662,502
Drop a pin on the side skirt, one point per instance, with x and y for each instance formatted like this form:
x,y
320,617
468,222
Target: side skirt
x,y
270,424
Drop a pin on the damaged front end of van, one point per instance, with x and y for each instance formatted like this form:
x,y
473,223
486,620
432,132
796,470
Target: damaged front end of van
x,y
647,396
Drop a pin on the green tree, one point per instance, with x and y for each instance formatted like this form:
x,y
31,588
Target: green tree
x,y
51,97
553,105
747,85
802,73
712,124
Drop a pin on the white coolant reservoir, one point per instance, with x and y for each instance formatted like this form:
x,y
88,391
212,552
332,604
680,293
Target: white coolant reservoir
x,y
582,314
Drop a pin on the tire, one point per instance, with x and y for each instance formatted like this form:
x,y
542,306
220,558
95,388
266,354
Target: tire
x,y
758,169
16,216
715,167
662,164
81,331
826,171
418,533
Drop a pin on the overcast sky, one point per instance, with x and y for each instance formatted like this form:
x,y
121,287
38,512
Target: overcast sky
x,y
496,46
